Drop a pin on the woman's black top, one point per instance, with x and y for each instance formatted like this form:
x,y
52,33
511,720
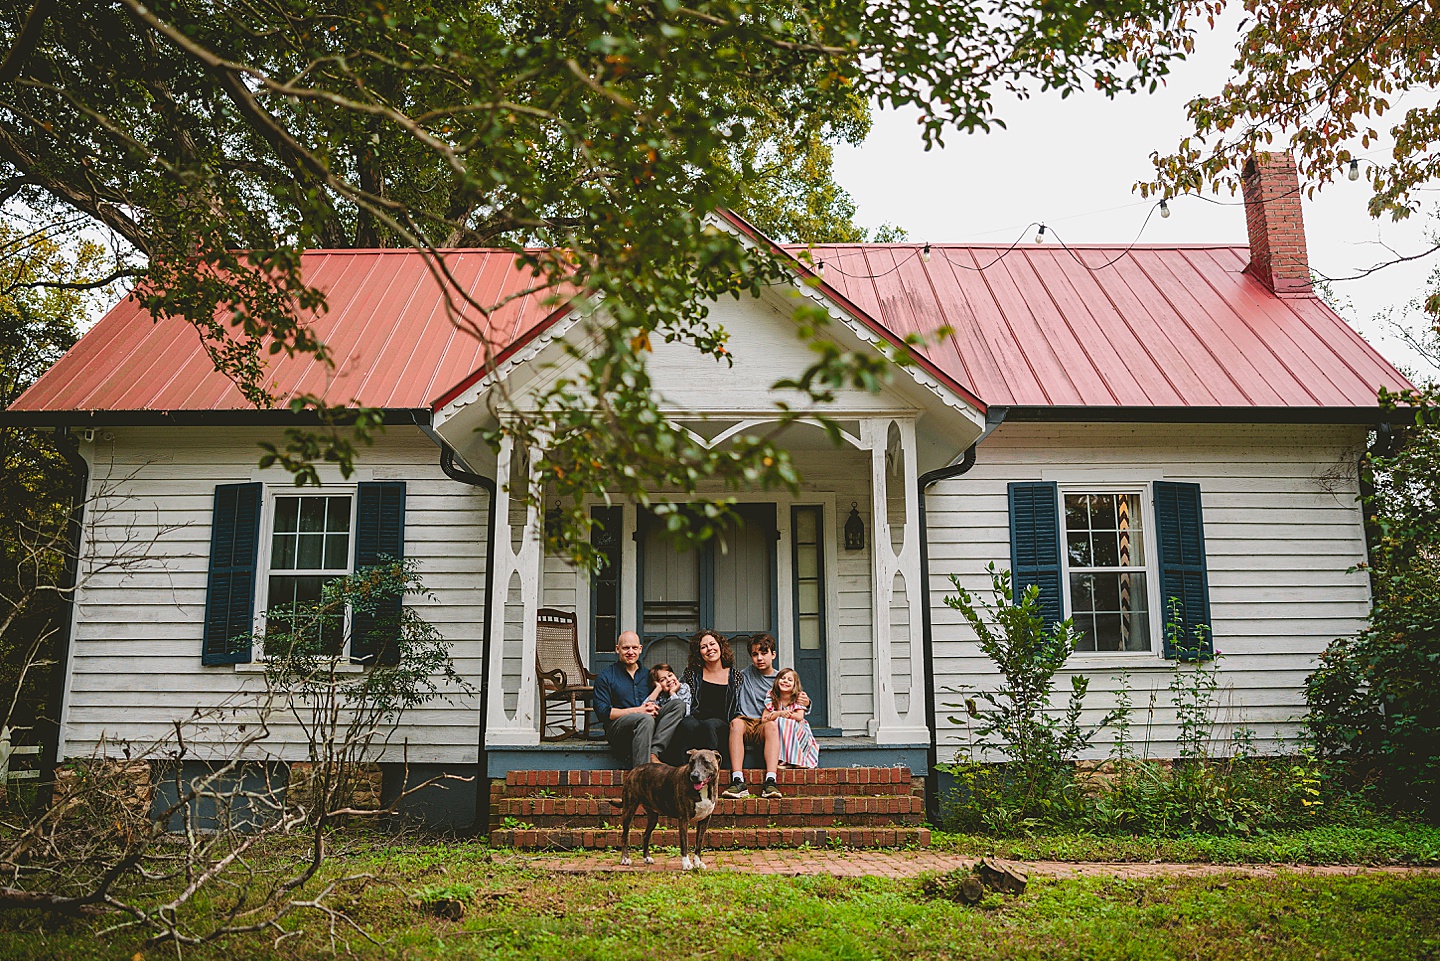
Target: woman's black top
x,y
718,701
713,699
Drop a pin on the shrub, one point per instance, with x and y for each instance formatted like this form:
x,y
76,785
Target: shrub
x,y
1210,787
1037,781
1374,700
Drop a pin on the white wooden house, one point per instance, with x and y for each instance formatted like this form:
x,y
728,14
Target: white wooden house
x,y
1119,426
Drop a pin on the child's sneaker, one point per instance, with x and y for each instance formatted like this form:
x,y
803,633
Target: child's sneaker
x,y
772,790
736,791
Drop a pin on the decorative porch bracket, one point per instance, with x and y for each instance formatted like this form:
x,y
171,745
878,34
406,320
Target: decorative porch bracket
x,y
891,563
522,566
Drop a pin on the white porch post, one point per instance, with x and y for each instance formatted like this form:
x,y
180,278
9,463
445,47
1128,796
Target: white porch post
x,y
893,727
525,566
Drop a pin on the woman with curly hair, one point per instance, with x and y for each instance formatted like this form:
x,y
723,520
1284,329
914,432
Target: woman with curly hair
x,y
714,687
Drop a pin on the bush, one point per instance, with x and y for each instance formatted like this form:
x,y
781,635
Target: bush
x,y
1211,788
1374,700
1037,781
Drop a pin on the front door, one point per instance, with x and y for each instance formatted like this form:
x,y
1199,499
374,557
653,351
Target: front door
x,y
727,583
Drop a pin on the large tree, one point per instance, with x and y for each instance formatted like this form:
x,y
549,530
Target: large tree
x,y
601,131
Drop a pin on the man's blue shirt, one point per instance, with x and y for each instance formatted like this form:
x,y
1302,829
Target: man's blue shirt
x,y
614,687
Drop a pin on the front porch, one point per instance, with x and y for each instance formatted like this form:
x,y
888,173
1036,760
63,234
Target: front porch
x,y
844,612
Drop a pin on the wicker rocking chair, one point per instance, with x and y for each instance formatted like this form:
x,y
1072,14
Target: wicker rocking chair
x,y
563,678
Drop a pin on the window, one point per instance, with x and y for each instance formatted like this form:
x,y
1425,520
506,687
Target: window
x,y
1105,565
605,584
309,545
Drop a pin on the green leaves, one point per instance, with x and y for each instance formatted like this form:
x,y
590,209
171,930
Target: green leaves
x,y
591,138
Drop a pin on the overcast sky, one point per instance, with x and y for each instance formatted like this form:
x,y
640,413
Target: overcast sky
x,y
1072,164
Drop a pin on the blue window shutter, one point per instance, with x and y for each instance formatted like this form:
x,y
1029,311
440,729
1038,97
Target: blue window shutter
x,y
379,533
1035,545
1180,536
230,589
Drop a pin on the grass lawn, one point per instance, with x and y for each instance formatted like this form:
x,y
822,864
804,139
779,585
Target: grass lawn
x,y
518,912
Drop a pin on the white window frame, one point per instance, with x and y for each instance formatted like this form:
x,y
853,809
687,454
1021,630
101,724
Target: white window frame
x,y
263,569
1151,568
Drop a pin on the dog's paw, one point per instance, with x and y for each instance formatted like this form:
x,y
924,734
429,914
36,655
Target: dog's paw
x,y
699,864
649,860
625,862
685,863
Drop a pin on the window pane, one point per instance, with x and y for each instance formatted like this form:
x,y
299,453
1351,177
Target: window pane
x,y
805,527
1085,627
287,513
1107,592
310,552
1079,548
282,552
1135,631
808,597
1107,554
337,551
312,514
1077,515
338,514
1102,511
1107,632
809,632
1132,544
807,562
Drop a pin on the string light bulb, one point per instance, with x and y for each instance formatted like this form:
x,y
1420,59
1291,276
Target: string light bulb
x,y
925,255
1354,173
1164,210
1040,235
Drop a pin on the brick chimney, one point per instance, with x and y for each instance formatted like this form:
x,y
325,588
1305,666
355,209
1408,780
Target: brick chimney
x,y
1277,230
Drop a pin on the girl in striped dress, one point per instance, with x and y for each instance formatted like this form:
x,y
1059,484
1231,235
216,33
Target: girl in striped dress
x,y
798,747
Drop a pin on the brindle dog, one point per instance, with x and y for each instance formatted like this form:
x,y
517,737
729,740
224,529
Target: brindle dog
x,y
687,794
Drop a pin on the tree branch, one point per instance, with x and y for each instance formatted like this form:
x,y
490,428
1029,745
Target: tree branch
x,y
25,43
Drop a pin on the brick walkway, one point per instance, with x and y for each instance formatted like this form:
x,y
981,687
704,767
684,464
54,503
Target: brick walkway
x,y
906,864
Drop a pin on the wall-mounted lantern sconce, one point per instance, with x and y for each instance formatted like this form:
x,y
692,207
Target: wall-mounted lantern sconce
x,y
553,518
854,530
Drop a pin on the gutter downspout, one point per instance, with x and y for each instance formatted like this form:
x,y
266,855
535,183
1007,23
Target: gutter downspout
x,y
74,533
482,770
994,417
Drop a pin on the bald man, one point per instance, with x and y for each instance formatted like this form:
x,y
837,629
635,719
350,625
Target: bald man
x,y
632,724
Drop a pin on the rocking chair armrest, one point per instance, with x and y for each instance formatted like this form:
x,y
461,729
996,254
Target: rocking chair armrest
x,y
556,679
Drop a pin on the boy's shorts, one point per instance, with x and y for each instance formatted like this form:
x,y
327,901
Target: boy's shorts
x,y
754,730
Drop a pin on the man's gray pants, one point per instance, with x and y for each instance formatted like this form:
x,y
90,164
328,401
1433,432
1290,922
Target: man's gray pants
x,y
643,734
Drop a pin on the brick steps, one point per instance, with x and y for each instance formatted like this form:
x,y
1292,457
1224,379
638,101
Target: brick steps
x,y
803,811
574,839
854,807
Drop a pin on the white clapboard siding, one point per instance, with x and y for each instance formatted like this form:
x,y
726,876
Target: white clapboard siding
x,y
1282,533
135,666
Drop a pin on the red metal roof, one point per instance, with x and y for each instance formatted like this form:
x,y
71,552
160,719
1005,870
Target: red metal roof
x,y
387,327
1095,326
1171,326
